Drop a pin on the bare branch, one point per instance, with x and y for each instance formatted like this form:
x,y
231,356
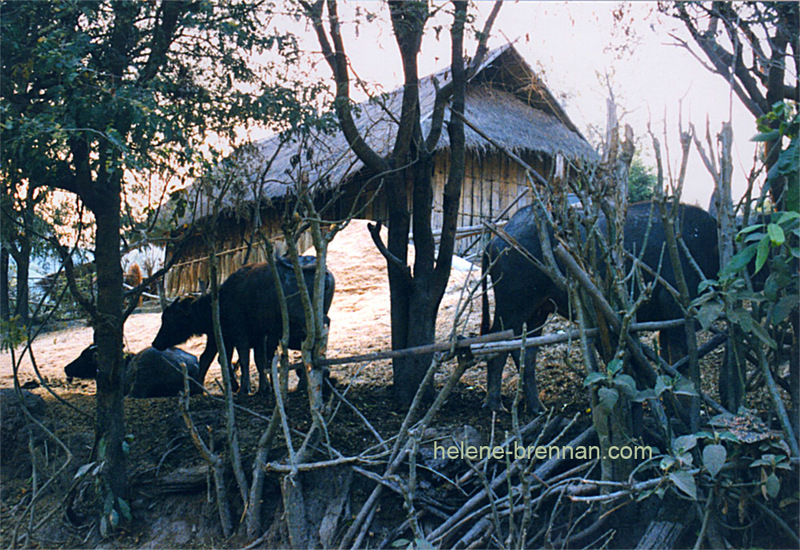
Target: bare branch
x,y
375,231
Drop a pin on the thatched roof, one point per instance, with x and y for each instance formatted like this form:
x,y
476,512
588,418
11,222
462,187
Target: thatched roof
x,y
504,99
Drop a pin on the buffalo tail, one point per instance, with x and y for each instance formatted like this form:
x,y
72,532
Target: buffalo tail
x,y
485,323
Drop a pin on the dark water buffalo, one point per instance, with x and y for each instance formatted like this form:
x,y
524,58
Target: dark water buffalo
x,y
149,373
250,316
525,294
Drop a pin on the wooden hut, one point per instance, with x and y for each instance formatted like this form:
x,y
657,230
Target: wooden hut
x,y
505,101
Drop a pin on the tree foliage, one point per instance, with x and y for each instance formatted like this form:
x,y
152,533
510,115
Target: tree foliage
x,y
641,181
94,90
754,47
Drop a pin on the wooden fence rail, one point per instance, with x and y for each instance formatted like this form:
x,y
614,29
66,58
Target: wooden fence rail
x,y
492,343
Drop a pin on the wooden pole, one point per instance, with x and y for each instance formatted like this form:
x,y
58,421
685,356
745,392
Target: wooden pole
x,y
419,350
490,343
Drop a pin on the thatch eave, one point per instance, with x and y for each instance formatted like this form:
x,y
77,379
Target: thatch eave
x,y
505,99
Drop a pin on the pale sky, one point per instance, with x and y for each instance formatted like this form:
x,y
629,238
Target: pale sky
x,y
573,45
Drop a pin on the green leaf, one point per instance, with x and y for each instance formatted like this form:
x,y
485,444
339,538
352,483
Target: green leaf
x,y
626,384
684,443
773,485
751,296
763,461
754,237
644,395
729,436
663,383
776,234
593,378
741,317
784,307
684,386
124,508
772,135
608,398
739,261
104,526
787,217
762,334
101,447
704,284
709,312
793,193
714,458
789,159
113,518
762,252
614,366
685,482
749,229
83,469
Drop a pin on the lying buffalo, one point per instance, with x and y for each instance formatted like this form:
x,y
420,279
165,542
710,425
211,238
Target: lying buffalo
x,y
250,317
525,294
149,373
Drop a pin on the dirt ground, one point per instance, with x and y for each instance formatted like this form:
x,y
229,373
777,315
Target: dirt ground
x,y
361,300
360,324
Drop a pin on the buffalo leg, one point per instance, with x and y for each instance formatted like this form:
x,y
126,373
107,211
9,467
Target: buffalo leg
x,y
207,357
244,363
263,359
530,390
672,342
302,377
494,367
270,349
232,369
494,379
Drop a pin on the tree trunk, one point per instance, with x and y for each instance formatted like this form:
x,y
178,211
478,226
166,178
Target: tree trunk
x,y
414,296
399,224
23,265
419,330
775,94
5,311
794,376
108,337
414,299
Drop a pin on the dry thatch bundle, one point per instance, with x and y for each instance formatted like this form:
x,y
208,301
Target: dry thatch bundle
x,y
504,99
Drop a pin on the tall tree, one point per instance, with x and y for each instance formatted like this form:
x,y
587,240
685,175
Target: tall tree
x,y
91,90
754,46
19,224
407,174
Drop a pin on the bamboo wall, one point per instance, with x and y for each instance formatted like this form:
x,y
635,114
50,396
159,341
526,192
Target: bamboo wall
x,y
491,184
191,274
362,197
